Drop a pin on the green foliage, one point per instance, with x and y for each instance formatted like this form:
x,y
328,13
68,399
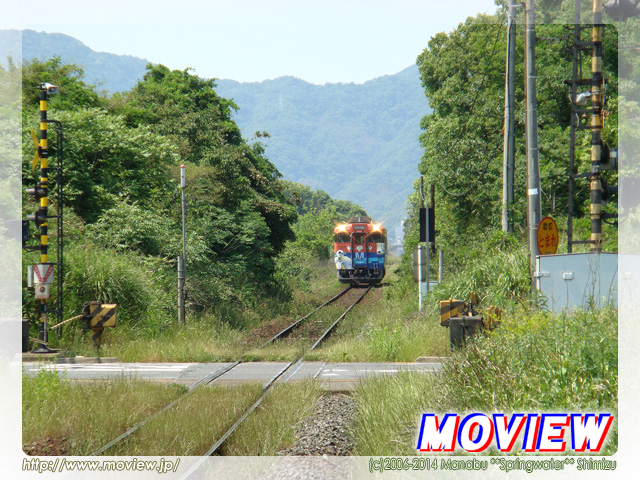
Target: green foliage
x,y
313,243
498,272
186,109
307,200
314,232
463,76
106,161
542,361
79,416
74,92
139,286
121,168
10,84
108,71
385,343
45,386
129,227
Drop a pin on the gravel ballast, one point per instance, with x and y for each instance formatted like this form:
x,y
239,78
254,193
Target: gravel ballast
x,y
327,431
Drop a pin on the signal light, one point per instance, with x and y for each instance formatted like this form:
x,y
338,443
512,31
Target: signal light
x,y
39,217
427,232
608,158
38,191
607,191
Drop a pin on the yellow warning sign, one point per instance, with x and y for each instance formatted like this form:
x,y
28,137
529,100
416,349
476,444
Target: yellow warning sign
x,y
548,236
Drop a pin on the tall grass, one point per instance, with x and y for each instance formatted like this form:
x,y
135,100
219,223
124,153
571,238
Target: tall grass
x,y
384,335
202,339
81,418
540,362
499,274
193,425
272,426
137,284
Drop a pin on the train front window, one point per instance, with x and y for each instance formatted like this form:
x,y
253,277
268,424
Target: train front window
x,y
358,239
376,237
341,238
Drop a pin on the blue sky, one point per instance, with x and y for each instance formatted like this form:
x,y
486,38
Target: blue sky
x,y
249,40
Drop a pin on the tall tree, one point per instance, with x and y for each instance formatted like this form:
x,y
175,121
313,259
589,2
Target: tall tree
x,y
463,76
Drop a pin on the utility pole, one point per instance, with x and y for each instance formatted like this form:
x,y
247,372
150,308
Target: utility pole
x,y
509,121
423,283
575,123
596,129
533,169
182,260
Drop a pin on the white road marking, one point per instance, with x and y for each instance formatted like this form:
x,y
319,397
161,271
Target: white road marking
x,y
124,368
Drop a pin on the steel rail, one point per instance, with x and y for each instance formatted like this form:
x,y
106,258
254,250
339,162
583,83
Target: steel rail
x,y
205,380
217,374
284,332
330,329
271,384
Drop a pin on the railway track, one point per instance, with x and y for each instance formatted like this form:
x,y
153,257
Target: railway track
x,y
282,376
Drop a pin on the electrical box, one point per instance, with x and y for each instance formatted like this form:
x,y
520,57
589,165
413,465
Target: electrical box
x,y
577,280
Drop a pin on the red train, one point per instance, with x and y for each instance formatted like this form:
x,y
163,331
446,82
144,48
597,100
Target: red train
x,y
359,251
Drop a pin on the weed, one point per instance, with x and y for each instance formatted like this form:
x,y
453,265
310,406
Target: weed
x,y
44,386
385,343
532,362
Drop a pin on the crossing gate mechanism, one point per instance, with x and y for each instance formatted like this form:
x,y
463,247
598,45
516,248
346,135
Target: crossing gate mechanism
x,y
463,321
97,316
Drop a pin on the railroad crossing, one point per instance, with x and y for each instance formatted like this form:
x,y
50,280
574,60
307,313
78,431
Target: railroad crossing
x,y
332,376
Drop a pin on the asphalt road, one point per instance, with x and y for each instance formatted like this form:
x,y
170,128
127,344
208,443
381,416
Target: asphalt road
x,y
333,376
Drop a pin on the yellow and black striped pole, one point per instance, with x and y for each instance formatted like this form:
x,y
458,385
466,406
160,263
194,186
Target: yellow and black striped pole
x,y
43,212
596,129
44,175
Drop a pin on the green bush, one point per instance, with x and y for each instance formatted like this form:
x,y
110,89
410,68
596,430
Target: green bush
x,y
130,227
531,363
44,386
137,284
545,361
385,343
498,272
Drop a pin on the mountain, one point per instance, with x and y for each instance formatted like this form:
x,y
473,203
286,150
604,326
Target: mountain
x,y
107,71
357,142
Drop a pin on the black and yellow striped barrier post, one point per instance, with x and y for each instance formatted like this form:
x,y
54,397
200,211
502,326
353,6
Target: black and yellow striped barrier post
x,y
100,316
463,321
40,217
97,317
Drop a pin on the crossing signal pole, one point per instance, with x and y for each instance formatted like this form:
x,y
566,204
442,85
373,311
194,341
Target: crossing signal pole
x,y
596,129
41,275
183,258
603,157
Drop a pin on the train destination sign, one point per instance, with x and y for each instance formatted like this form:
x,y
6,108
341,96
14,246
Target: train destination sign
x,y
548,236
